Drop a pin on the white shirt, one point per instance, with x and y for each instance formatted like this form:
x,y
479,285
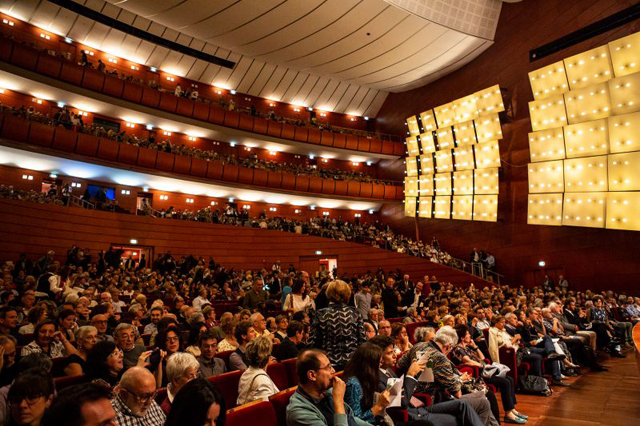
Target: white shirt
x,y
295,301
254,385
199,301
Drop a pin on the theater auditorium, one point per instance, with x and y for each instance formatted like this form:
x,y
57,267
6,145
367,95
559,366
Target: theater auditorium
x,y
319,212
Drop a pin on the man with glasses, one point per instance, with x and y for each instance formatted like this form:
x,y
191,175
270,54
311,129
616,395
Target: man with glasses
x,y
125,338
100,322
134,401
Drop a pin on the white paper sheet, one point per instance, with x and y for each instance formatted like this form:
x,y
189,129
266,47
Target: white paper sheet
x,y
395,391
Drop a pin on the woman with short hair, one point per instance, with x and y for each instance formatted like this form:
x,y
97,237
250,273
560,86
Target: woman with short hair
x,y
86,338
105,362
182,367
30,397
198,403
255,383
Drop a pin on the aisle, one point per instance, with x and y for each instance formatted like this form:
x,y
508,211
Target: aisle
x,y
609,398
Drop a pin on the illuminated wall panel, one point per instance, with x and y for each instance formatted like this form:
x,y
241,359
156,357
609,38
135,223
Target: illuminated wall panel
x,y
445,138
445,115
548,113
410,206
463,158
624,172
548,81
589,103
546,177
622,210
412,166
465,133
425,186
487,155
412,123
427,142
489,101
588,68
547,145
465,108
462,207
427,165
545,209
412,146
443,184
625,94
444,161
624,133
585,139
442,207
625,55
463,182
486,181
584,209
485,208
586,174
428,120
488,128
425,207
411,187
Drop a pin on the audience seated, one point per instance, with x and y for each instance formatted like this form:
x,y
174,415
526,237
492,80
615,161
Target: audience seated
x,y
255,383
198,403
105,363
290,345
181,369
209,365
134,400
81,405
30,397
245,333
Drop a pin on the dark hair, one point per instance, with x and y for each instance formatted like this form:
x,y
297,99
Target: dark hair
x,y
192,403
65,313
496,319
207,335
96,365
36,330
307,361
461,331
364,365
6,309
34,360
294,327
30,384
161,337
298,316
242,329
383,341
396,329
194,333
67,405
297,286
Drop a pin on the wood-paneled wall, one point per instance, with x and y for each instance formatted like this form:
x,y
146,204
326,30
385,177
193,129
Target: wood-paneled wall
x,y
589,258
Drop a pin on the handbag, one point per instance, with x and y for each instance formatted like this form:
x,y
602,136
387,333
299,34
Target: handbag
x,y
495,370
475,384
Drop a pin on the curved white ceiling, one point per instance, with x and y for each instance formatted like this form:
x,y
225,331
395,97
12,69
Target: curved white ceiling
x,y
339,55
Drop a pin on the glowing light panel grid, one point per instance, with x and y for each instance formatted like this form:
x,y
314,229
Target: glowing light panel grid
x,y
485,208
588,68
462,207
547,145
625,55
463,182
586,174
486,181
586,139
545,209
585,209
546,177
442,207
622,211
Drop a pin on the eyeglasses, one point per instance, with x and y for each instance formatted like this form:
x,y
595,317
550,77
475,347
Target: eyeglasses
x,y
116,352
31,400
142,398
327,367
173,339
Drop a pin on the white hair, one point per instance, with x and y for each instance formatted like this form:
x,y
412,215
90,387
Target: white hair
x,y
81,332
446,336
421,333
178,364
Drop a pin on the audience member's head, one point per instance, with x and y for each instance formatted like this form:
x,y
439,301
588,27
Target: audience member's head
x,y
30,396
182,367
199,402
83,405
245,332
384,328
338,292
137,390
258,352
314,370
105,362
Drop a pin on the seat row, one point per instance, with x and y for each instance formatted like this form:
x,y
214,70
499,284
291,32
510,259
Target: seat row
x,y
31,59
21,130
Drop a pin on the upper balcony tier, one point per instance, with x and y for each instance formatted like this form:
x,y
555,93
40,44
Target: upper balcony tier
x,y
23,59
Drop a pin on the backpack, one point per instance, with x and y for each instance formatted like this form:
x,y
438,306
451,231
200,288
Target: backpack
x,y
534,385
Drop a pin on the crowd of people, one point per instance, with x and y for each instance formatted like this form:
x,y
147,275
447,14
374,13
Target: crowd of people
x,y
71,120
132,328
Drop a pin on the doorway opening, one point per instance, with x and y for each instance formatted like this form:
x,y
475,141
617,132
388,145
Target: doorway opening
x,y
130,256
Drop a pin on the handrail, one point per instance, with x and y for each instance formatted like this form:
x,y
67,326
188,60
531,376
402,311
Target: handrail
x,y
478,269
80,202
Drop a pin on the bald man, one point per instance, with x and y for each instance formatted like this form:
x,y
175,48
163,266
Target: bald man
x,y
134,402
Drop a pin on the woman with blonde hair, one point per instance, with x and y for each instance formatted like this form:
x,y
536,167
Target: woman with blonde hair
x,y
255,383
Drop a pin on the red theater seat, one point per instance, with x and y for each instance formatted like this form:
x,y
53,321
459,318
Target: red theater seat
x,y
201,111
260,125
288,131
364,144
216,115
260,177
231,119
245,175
375,145
274,129
71,73
198,167
326,138
108,149
230,173
128,154
65,140
41,134
150,97
165,161
93,80
352,142
302,183
365,189
315,184
328,186
182,164
290,364
274,180
353,188
378,190
279,375
86,145
227,384
15,128
147,157
288,181
246,122
49,65
341,187
214,171
168,102
68,381
279,403
314,136
132,92
185,107
258,412
113,86
24,57
301,134
339,140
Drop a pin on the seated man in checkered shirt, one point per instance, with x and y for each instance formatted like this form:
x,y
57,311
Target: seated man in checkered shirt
x,y
134,401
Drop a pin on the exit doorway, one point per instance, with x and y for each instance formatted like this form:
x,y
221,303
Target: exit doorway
x,y
135,254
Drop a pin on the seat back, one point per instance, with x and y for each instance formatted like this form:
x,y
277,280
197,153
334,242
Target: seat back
x,y
227,383
65,382
225,356
280,401
290,365
279,375
258,412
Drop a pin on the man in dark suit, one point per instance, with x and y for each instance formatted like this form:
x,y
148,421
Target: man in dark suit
x,y
390,300
450,413
290,346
